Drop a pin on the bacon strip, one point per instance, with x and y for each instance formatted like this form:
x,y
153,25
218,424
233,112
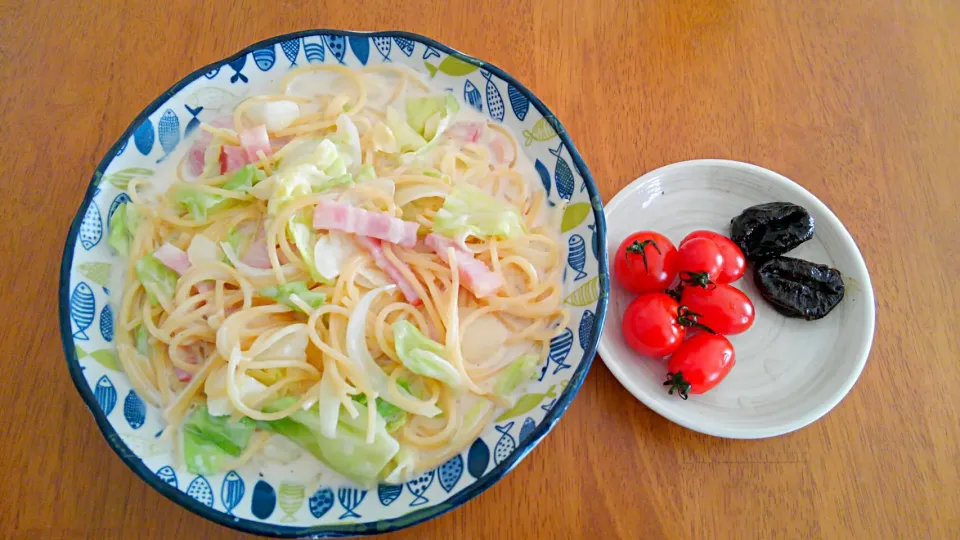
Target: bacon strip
x,y
375,248
473,273
380,225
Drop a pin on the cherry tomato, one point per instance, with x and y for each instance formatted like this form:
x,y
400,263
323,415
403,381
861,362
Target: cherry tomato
x,y
700,364
655,324
720,307
699,257
645,262
734,263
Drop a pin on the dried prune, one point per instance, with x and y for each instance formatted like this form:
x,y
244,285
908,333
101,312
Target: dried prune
x,y
768,230
799,288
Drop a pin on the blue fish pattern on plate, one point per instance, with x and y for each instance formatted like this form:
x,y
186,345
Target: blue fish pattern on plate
x,y
168,133
199,489
134,410
122,198
361,48
337,46
494,101
477,458
264,500
594,242
450,472
167,475
419,485
291,48
237,66
212,73
231,491
194,122
387,493
430,52
106,323
350,499
321,502
383,45
472,96
506,445
143,137
105,394
83,307
314,51
265,58
405,45
577,258
563,176
526,429
544,179
91,228
518,102
559,349
585,331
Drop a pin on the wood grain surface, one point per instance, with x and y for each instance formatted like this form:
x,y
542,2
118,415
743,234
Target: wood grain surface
x,y
857,101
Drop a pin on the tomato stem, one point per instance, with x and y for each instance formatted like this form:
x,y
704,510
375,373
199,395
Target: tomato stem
x,y
689,319
697,279
638,247
676,382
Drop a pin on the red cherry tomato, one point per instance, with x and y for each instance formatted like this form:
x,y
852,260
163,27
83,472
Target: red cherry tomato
x,y
655,324
720,307
700,364
734,263
699,256
645,262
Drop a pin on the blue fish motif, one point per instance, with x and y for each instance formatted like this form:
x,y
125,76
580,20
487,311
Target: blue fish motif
x,y
91,228
194,122
265,58
477,458
199,489
337,46
585,331
544,179
450,473
472,96
527,428
387,493
105,394
123,146
122,198
212,73
321,502
383,45
264,500
237,66
314,51
405,45
546,363
83,307
168,132
419,485
563,176
430,52
106,323
506,445
168,475
361,48
143,137
350,499
577,249
231,491
595,242
559,349
291,48
518,102
494,101
134,410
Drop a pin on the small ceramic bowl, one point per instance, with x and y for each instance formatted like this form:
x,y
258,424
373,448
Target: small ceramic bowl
x,y
276,501
788,372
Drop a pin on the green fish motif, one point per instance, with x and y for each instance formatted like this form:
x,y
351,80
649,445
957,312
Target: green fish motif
x,y
574,215
97,272
542,131
106,358
452,66
122,178
585,295
291,499
526,403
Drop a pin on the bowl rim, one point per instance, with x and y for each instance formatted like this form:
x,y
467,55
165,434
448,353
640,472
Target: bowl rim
x,y
135,464
866,285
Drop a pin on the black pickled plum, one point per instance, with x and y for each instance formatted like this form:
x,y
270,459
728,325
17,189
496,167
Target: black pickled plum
x,y
771,229
798,288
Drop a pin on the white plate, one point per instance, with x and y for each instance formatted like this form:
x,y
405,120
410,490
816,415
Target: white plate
x,y
789,372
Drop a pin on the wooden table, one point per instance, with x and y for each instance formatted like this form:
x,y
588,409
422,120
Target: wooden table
x,y
858,102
